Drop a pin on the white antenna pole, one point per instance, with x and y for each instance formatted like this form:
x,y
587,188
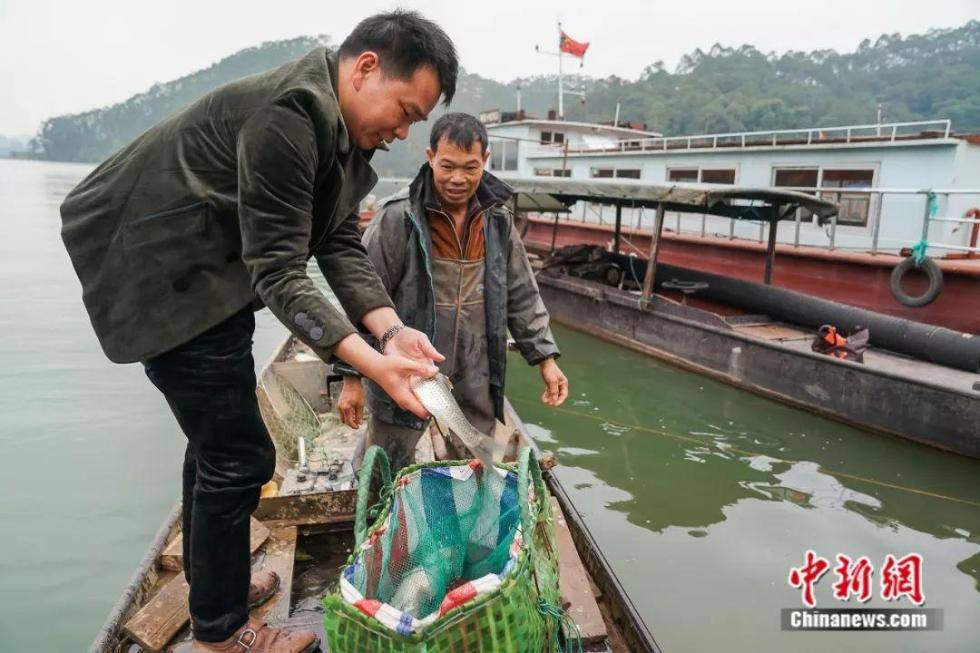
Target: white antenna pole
x,y
616,119
518,98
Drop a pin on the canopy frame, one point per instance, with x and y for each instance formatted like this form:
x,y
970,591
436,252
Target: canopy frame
x,y
766,205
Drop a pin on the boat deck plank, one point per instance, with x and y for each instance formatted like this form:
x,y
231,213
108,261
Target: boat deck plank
x,y
910,368
162,616
774,332
173,556
278,555
307,509
576,589
167,612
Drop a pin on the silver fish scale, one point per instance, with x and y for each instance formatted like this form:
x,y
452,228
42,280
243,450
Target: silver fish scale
x,y
436,395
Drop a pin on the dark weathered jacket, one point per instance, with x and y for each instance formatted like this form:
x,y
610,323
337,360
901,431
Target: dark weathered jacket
x,y
400,245
222,205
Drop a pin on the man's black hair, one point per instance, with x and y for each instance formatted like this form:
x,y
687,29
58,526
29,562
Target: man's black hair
x,y
405,41
461,129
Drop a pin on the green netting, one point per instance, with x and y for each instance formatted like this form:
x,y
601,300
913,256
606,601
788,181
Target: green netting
x,y
437,570
287,415
447,525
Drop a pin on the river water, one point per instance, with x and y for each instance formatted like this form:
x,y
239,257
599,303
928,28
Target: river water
x,y
702,496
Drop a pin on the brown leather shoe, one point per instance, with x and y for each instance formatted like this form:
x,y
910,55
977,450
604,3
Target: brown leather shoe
x,y
263,586
256,637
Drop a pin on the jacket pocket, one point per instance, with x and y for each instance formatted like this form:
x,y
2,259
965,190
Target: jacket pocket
x,y
182,222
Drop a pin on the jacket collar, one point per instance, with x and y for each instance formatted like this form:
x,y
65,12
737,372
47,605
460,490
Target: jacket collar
x,y
490,193
343,137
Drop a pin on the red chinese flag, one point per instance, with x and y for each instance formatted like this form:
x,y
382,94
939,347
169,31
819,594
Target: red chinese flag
x,y
571,46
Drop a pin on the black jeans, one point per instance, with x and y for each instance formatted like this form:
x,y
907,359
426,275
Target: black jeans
x,y
209,383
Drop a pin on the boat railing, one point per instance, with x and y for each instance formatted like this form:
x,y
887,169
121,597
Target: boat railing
x,y
932,199
843,134
936,210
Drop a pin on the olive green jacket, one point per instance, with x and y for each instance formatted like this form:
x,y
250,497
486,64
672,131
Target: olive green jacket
x,y
222,205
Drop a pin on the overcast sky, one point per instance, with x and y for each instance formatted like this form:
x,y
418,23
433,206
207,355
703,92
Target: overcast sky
x,y
60,56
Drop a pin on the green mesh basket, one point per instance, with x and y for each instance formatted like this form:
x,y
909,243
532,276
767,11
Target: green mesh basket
x,y
522,614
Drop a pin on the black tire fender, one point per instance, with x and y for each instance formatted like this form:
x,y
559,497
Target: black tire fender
x,y
932,270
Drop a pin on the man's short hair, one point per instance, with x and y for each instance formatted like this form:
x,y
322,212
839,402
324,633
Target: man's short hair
x,y
461,129
405,41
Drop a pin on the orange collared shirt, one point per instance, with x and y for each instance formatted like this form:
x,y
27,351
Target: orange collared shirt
x,y
447,243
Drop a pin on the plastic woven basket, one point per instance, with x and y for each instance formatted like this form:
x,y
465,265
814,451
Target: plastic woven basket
x,y
520,614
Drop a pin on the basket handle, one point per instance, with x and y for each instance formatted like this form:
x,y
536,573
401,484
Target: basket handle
x,y
528,471
374,455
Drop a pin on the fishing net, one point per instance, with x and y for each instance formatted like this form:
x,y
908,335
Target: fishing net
x,y
287,415
462,556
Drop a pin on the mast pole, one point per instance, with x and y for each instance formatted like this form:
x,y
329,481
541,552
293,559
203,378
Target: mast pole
x,y
561,103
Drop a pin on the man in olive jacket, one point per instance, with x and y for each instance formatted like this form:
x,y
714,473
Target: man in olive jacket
x,y
215,212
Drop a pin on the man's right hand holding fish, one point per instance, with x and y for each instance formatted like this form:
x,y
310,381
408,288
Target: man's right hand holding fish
x,y
405,353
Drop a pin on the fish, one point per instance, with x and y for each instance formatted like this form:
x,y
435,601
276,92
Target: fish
x,y
435,394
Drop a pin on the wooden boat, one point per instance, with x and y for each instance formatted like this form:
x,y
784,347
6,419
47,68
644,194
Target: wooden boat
x,y
305,531
917,381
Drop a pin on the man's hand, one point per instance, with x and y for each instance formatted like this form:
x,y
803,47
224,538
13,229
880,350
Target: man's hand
x,y
555,383
392,372
350,406
411,343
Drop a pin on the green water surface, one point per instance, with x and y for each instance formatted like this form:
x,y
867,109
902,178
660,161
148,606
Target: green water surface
x,y
704,496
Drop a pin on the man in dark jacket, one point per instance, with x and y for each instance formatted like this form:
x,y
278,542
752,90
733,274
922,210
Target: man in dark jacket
x,y
215,212
449,255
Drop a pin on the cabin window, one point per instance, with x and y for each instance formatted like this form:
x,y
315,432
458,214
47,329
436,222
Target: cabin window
x,y
704,175
798,179
684,175
853,207
718,176
503,154
558,138
621,173
546,138
496,154
510,156
552,172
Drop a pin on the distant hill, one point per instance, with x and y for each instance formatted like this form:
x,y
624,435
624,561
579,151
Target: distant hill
x,y
918,77
94,135
10,144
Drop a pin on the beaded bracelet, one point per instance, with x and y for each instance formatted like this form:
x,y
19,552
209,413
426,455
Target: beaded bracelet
x,y
388,335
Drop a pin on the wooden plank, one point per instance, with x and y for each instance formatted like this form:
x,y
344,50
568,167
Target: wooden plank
x,y
278,555
773,332
162,616
167,612
173,556
574,585
307,509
